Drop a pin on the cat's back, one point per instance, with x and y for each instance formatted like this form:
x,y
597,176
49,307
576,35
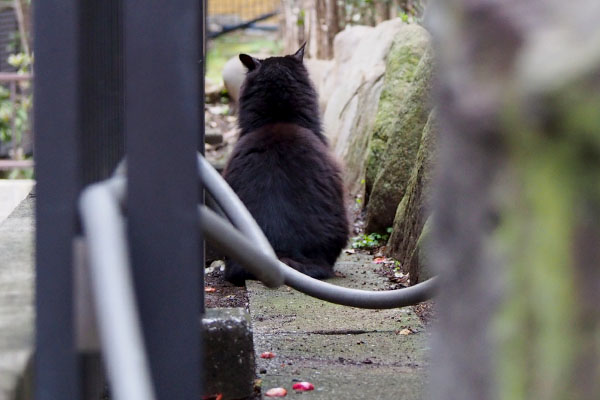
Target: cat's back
x,y
283,160
284,143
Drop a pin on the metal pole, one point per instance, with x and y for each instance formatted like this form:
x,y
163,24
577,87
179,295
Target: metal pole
x,y
162,127
56,114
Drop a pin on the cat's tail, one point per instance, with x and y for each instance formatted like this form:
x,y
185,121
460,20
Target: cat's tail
x,y
312,268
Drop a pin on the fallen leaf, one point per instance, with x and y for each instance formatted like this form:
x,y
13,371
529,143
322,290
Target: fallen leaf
x,y
379,260
350,251
209,289
276,392
218,396
303,386
267,354
406,331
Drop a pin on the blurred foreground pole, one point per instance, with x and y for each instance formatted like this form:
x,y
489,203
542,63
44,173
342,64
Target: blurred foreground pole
x,y
517,199
164,99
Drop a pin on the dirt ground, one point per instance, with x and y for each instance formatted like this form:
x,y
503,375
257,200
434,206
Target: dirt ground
x,y
220,293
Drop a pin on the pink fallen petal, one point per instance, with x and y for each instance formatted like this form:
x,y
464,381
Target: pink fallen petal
x,y
303,386
276,392
267,354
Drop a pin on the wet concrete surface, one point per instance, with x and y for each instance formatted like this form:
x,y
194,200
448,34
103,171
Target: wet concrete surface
x,y
16,300
346,352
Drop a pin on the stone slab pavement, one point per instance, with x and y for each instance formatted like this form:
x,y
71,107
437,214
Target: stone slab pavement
x,y
346,352
16,300
12,191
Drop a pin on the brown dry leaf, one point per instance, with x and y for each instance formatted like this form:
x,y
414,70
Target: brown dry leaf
x,y
209,289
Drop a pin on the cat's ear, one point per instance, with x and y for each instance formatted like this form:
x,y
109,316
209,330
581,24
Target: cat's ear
x,y
299,55
249,62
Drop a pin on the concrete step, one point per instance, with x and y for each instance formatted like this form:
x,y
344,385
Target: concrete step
x,y
16,301
346,352
12,192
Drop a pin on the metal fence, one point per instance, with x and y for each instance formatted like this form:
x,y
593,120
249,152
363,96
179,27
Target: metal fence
x,y
241,10
228,15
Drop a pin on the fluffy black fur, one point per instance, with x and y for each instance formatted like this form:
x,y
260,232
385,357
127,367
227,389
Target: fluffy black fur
x,y
282,170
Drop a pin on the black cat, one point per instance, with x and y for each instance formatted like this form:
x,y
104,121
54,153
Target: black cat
x,y
282,170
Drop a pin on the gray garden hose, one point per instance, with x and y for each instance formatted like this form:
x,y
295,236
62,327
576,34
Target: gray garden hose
x,y
231,205
113,296
234,210
228,239
250,248
247,244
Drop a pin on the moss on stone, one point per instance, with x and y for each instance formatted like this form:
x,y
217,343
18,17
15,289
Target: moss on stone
x,y
412,211
401,72
393,174
419,265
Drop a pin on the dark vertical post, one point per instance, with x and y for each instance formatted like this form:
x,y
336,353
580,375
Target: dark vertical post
x,y
201,122
162,102
57,163
103,142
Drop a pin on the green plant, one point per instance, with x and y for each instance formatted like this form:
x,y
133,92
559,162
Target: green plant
x,y
21,61
371,240
18,107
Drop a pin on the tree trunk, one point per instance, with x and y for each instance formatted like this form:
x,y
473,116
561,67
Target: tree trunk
x,y
291,25
382,11
341,15
333,25
321,30
314,21
516,233
22,11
